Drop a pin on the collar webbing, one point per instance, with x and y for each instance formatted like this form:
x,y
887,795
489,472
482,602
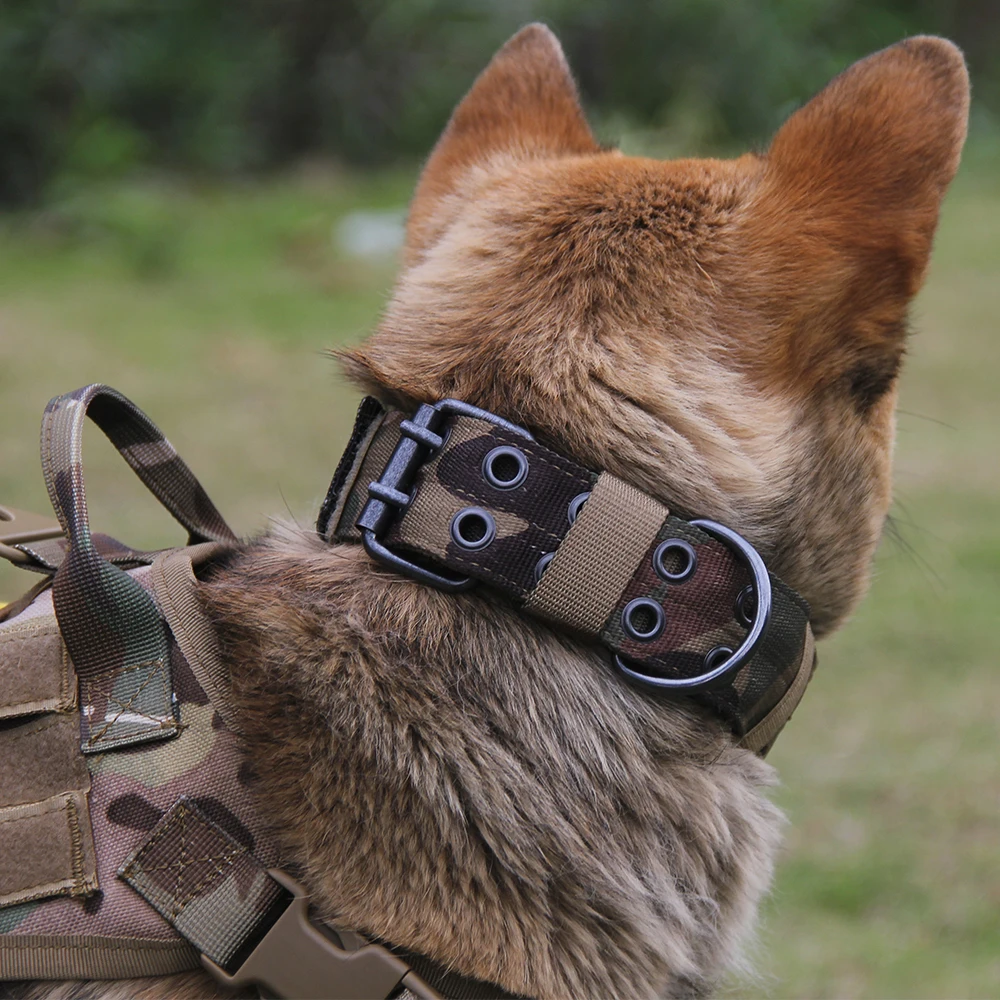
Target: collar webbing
x,y
456,496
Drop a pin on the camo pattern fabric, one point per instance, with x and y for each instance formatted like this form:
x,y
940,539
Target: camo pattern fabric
x,y
131,790
700,616
204,881
531,522
111,626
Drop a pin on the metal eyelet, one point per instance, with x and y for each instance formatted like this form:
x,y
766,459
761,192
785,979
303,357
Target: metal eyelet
x,y
746,606
473,528
679,550
632,619
575,506
716,656
501,461
542,565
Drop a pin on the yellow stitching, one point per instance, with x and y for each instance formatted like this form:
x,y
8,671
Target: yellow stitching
x,y
157,670
34,732
182,902
31,625
136,869
239,849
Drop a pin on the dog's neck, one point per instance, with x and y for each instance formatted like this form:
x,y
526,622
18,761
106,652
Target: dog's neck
x,y
474,787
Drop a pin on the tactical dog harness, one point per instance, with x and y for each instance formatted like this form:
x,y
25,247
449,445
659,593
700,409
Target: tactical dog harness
x,y
129,842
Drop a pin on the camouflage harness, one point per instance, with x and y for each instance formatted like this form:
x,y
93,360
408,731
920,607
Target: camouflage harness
x,y
129,842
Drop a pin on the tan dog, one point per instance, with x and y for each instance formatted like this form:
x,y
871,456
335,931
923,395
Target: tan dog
x,y
725,335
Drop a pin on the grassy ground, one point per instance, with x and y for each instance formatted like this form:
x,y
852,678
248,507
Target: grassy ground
x,y
211,307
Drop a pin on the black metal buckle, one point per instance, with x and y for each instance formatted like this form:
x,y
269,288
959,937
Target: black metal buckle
x,y
389,495
762,588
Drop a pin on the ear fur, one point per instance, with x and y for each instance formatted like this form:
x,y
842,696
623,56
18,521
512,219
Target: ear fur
x,y
523,105
851,188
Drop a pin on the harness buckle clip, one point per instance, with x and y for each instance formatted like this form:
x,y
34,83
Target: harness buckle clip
x,y
389,494
296,959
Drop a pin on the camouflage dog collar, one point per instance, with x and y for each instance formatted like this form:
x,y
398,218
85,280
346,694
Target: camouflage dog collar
x,y
456,496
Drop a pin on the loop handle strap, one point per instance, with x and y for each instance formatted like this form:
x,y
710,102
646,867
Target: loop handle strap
x,y
113,631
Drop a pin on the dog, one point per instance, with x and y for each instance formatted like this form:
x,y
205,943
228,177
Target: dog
x,y
724,335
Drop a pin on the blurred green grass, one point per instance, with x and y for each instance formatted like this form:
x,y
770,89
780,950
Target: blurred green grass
x,y
211,307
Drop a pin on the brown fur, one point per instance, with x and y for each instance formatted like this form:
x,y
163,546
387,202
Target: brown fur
x,y
725,335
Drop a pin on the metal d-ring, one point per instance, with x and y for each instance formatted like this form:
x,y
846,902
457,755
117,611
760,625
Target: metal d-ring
x,y
762,586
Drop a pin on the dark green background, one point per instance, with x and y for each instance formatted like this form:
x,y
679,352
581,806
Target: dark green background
x,y
94,87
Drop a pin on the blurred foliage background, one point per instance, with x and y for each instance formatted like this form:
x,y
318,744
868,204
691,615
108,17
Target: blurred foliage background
x,y
198,197
92,87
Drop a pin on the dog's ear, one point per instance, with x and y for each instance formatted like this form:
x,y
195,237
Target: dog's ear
x,y
524,105
843,220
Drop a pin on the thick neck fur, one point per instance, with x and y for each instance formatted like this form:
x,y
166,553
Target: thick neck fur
x,y
467,783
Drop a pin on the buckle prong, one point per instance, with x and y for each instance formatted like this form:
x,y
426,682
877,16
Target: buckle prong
x,y
420,438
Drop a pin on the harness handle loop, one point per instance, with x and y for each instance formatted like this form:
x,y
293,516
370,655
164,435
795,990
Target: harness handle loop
x,y
141,443
110,624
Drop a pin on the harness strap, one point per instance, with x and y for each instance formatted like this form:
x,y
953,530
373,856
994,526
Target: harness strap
x,y
111,626
252,924
671,598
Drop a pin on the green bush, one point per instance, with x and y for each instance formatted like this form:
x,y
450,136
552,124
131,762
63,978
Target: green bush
x,y
98,87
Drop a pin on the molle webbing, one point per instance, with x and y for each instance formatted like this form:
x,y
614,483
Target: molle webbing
x,y
579,564
46,842
252,924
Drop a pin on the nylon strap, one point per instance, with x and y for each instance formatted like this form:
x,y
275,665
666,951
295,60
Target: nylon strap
x,y
252,925
110,624
580,591
597,559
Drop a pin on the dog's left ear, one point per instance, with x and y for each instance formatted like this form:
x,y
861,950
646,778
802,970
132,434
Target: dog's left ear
x,y
524,105
842,221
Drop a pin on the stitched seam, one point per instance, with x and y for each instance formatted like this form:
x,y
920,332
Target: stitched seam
x,y
16,631
76,845
480,501
65,686
177,900
34,732
156,672
63,887
225,859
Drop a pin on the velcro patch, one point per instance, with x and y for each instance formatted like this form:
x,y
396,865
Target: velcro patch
x,y
35,671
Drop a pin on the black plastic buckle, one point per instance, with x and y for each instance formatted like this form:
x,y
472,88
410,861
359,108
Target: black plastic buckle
x,y
762,591
421,438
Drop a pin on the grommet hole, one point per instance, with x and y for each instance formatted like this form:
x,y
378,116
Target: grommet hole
x,y
746,606
674,560
576,505
543,564
716,657
473,528
505,468
643,619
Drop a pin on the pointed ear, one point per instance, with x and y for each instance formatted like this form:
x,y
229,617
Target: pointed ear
x,y
851,188
523,105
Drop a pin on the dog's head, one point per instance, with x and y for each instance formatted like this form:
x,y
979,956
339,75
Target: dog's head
x,y
724,334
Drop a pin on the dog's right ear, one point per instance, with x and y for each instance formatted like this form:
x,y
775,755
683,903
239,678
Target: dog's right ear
x,y
524,105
